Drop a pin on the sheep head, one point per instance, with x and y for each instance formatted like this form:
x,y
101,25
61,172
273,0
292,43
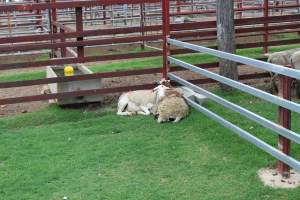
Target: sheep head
x,y
165,82
160,92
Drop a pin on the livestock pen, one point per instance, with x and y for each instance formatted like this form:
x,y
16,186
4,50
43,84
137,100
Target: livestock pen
x,y
69,37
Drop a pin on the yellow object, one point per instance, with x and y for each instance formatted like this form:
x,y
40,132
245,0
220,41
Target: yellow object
x,y
69,71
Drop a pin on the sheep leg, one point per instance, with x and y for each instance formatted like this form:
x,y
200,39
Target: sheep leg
x,y
126,113
144,111
297,87
274,87
160,120
123,111
123,105
177,119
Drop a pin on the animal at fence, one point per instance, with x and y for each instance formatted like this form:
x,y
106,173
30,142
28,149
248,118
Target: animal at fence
x,y
45,90
140,101
172,107
295,63
181,20
284,58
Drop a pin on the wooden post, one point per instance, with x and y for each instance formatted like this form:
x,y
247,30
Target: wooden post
x,y
63,50
142,10
104,14
266,35
166,35
79,28
226,39
284,119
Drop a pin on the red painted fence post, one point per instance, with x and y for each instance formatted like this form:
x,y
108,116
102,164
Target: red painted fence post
x,y
53,28
284,119
38,17
166,35
240,7
266,35
178,5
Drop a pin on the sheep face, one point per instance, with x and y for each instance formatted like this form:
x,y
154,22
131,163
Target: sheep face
x,y
161,92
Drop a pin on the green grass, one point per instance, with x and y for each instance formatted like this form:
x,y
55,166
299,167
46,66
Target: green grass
x,y
286,36
89,155
145,63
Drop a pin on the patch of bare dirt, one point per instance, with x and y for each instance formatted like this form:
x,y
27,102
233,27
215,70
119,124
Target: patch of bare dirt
x,y
15,109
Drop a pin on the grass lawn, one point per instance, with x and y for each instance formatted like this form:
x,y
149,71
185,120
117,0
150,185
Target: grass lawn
x,y
146,63
87,155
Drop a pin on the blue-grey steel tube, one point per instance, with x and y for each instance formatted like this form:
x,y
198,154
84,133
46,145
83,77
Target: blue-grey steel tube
x,y
245,88
240,59
247,136
250,115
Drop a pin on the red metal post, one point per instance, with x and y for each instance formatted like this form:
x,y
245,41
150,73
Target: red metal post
x,y
178,5
39,20
54,28
240,7
166,35
79,28
284,119
266,35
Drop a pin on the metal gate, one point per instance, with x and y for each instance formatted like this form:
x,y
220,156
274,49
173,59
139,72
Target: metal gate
x,y
285,105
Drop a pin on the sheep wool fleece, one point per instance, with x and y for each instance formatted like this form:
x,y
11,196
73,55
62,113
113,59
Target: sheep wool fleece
x,y
172,107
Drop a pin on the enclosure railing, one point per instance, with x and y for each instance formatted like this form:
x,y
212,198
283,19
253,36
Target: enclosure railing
x,y
63,38
285,104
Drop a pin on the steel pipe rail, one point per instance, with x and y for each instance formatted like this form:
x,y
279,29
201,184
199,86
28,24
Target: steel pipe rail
x,y
69,4
279,130
247,136
293,73
235,84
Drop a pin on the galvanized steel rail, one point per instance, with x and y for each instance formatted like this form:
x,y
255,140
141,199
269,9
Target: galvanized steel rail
x,y
293,73
247,136
280,130
245,88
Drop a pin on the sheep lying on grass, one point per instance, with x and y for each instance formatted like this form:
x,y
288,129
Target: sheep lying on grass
x,y
284,58
172,107
140,101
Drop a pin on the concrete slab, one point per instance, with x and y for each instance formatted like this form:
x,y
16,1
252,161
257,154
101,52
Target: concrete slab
x,y
189,93
271,178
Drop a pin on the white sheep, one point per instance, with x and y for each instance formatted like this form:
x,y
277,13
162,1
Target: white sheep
x,y
282,58
295,64
172,106
140,101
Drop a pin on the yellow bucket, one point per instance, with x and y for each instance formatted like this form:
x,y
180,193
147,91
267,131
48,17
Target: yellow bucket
x,y
69,71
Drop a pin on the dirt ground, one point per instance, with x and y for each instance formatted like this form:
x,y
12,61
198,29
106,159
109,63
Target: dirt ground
x,y
16,109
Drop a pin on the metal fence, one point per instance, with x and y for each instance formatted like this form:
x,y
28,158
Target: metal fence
x,y
63,40
283,103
